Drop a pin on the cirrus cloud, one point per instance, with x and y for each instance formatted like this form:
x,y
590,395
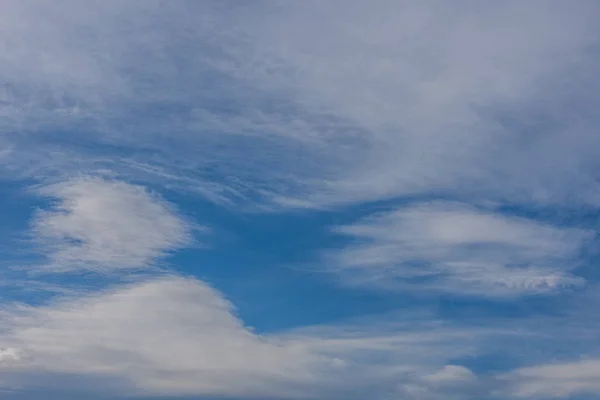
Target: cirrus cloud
x,y
457,248
106,225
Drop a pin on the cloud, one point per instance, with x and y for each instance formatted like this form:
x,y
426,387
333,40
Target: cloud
x,y
450,374
557,380
171,336
106,225
435,97
9,355
458,248
451,381
244,104
177,336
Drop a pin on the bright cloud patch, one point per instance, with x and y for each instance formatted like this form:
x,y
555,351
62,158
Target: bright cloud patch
x,y
9,355
458,248
557,380
171,336
104,225
451,374
176,336
451,382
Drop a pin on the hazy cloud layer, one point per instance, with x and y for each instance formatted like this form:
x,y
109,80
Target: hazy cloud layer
x,y
372,102
557,380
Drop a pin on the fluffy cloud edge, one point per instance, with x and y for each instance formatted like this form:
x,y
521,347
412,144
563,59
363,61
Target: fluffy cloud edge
x,y
106,225
178,336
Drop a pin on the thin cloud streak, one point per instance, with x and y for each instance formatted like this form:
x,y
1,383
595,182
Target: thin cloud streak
x,y
453,247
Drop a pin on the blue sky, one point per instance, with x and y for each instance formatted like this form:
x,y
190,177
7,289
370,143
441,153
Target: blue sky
x,y
395,200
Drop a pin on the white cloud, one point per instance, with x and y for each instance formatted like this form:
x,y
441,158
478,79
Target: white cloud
x,y
451,374
171,336
177,336
9,355
106,225
458,248
451,382
371,102
426,93
557,380
244,104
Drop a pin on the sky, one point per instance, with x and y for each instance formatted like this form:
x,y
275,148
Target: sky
x,y
305,200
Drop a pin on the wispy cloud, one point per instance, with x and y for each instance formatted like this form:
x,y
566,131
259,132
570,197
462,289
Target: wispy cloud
x,y
451,381
458,248
431,90
298,104
255,107
103,225
556,380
